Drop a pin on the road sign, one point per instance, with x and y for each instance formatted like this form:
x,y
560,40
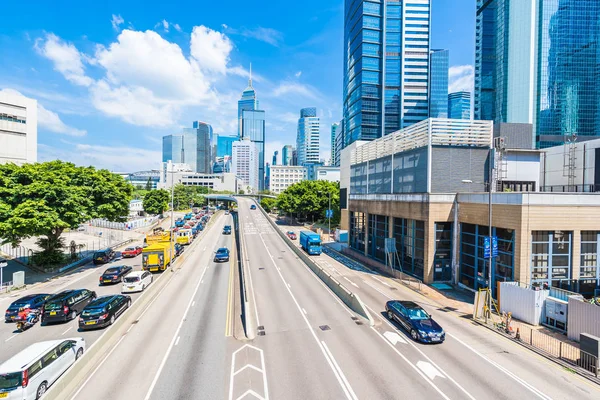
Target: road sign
x,y
328,213
487,248
494,246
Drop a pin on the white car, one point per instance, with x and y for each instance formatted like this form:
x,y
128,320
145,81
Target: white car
x,y
136,281
29,373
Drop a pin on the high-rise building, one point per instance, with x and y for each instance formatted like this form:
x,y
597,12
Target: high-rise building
x,y
172,149
224,145
459,105
275,157
206,146
438,96
194,146
307,139
386,63
287,154
335,127
18,128
245,163
248,101
537,62
339,145
294,157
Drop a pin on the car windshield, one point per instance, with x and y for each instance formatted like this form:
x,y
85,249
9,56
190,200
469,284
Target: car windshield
x,y
132,279
53,305
130,249
112,271
222,251
417,313
89,312
98,254
10,381
20,303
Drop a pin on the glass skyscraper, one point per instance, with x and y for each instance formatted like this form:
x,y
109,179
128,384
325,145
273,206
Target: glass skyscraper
x,y
538,62
335,127
248,101
307,139
172,148
224,145
194,146
438,96
286,154
386,63
459,105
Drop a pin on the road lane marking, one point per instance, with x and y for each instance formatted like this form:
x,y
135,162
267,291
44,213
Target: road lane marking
x,y
352,283
11,337
339,371
177,341
66,331
245,257
193,303
385,283
429,370
304,311
394,338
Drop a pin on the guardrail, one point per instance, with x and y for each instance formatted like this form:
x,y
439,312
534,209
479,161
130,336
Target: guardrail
x,y
352,300
246,318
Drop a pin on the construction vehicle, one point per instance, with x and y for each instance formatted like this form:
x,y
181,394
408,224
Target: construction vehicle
x,y
159,235
157,257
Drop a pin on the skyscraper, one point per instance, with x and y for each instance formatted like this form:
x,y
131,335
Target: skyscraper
x,y
248,101
224,145
438,97
537,62
307,139
245,163
172,149
287,154
275,156
459,105
335,127
194,146
339,145
386,62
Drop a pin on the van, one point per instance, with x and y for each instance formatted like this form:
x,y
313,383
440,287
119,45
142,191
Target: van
x,y
66,305
103,256
29,373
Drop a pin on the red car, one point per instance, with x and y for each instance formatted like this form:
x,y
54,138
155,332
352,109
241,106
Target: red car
x,y
132,251
291,235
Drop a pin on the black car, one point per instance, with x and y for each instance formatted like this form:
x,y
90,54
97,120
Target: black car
x,y
227,230
178,249
30,301
415,320
66,305
115,274
222,255
104,256
103,311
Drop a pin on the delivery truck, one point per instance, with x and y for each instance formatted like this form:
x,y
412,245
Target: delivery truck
x,y
157,257
310,242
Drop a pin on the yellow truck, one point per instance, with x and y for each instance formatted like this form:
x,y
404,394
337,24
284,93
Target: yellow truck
x,y
184,236
158,236
157,257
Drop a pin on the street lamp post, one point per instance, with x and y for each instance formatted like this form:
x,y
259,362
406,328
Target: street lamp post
x,y
329,214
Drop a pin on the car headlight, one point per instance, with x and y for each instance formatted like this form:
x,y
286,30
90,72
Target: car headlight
x,y
423,333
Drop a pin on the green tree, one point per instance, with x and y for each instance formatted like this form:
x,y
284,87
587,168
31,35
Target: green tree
x,y
241,191
156,201
44,199
310,199
149,184
188,196
268,204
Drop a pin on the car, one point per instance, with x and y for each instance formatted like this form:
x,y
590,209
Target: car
x,y
66,305
29,301
227,230
226,212
222,255
103,311
415,320
104,256
178,249
291,235
29,373
115,274
253,207
132,251
136,281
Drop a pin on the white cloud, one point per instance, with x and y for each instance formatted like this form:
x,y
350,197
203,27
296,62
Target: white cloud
x,y
177,27
66,58
165,25
210,49
297,74
460,78
267,35
287,88
116,21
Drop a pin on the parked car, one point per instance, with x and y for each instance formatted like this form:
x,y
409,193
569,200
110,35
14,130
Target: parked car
x,y
104,256
227,230
103,311
415,320
132,251
29,301
222,255
29,373
66,305
136,281
291,235
114,274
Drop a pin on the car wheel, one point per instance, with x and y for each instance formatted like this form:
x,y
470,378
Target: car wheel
x,y
390,315
129,304
414,334
41,390
112,320
73,315
79,353
143,287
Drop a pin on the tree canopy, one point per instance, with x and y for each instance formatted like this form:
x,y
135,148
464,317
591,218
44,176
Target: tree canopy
x,y
268,203
188,196
44,199
156,201
310,199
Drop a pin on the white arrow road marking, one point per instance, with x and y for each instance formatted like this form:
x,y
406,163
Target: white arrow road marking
x,y
429,370
394,338
385,283
352,283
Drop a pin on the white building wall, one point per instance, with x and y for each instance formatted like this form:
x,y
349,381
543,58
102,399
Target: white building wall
x,y
331,174
245,163
18,128
553,161
284,176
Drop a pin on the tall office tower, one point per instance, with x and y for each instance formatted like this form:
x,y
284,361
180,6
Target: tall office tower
x,y
339,145
386,63
253,128
224,145
438,96
172,149
244,163
294,157
537,62
335,127
275,156
287,154
248,101
459,105
18,128
307,139
268,176
194,146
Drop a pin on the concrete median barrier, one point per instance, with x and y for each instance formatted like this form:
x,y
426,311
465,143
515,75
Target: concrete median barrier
x,y
352,300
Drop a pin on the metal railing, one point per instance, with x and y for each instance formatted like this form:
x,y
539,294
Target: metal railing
x,y
5,287
589,188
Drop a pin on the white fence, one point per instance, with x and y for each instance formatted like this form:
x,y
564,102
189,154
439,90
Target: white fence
x,y
583,317
525,304
124,226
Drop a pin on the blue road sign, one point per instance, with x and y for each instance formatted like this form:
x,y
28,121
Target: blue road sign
x,y
494,246
328,213
487,249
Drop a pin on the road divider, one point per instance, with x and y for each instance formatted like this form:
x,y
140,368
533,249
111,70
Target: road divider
x,y
349,298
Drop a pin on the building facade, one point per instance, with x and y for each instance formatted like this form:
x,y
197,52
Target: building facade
x,y
18,128
248,101
386,63
327,173
307,139
339,144
224,145
438,97
244,164
284,176
537,62
275,157
194,146
253,128
335,127
287,153
459,105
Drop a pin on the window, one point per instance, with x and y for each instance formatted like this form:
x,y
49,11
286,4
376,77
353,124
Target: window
x,y
34,369
551,258
589,274
50,357
410,245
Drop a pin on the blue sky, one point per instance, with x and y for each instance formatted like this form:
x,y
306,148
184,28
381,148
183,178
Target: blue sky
x,y
113,77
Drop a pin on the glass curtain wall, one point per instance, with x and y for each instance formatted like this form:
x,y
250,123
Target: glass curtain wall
x,y
410,245
357,231
378,232
589,273
551,259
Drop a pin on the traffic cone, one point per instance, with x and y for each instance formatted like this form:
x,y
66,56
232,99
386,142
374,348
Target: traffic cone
x,y
518,335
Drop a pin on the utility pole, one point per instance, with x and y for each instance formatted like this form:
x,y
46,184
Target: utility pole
x,y
172,217
329,214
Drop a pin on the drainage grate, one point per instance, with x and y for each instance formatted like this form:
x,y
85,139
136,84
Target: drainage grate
x,y
261,333
451,308
280,258
260,268
442,309
261,328
135,322
325,328
393,288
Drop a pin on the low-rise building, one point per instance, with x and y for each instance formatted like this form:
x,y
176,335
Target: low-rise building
x,y
284,176
18,128
327,173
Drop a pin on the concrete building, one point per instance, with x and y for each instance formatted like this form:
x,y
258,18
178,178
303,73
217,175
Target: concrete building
x,y
339,145
217,182
327,173
244,164
410,187
287,153
335,127
438,68
284,176
307,139
459,105
141,178
194,146
18,129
